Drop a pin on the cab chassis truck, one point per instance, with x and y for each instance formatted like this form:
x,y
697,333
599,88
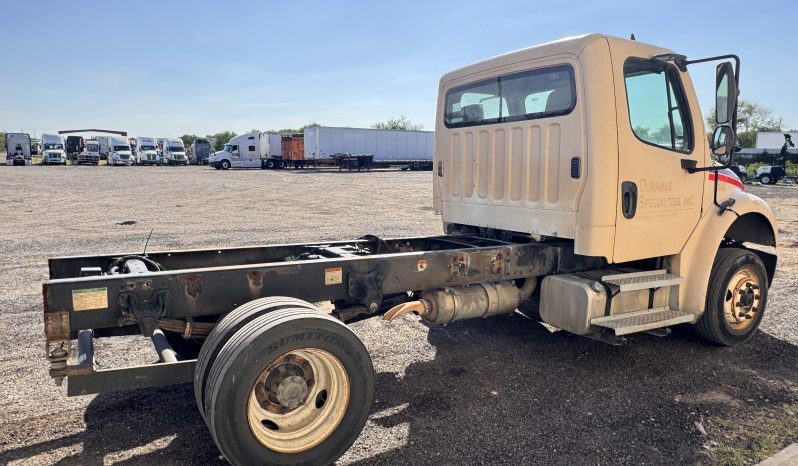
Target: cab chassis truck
x,y
575,185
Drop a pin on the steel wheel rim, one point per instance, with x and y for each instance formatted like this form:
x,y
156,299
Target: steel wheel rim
x,y
298,401
742,301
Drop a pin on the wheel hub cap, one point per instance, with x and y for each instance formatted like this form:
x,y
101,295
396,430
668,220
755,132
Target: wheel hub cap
x,y
291,391
298,400
743,300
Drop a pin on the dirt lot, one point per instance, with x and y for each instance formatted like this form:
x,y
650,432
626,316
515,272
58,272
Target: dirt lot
x,y
498,391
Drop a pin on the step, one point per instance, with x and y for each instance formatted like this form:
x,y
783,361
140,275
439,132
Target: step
x,y
640,321
642,280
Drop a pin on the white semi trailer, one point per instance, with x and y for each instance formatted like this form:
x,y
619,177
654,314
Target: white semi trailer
x,y
387,147
18,149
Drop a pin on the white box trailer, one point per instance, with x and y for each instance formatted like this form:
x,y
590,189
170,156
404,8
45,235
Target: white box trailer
x,y
773,139
385,145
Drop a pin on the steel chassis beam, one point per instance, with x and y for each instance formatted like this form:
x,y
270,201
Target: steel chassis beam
x,y
215,281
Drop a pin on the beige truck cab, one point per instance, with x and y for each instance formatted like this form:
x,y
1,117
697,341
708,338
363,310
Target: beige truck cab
x,y
601,141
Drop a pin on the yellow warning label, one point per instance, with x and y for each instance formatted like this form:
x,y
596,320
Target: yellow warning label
x,y
89,299
333,276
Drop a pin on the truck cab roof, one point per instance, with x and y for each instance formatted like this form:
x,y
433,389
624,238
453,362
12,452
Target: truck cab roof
x,y
573,45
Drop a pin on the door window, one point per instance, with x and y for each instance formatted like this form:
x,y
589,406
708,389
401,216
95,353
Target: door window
x,y
234,149
657,105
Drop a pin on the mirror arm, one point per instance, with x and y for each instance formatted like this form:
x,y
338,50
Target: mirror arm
x,y
690,166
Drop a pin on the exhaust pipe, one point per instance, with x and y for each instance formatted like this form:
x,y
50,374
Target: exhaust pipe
x,y
444,305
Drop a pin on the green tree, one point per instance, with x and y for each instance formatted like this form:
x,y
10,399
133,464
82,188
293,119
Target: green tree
x,y
2,142
220,139
402,123
188,139
751,118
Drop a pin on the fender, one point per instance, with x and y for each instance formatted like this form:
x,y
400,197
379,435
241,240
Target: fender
x,y
754,222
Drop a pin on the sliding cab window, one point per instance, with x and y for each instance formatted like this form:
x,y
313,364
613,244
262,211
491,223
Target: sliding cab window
x,y
658,108
527,95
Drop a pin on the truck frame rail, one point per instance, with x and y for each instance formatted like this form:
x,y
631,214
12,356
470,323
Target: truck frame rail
x,y
87,297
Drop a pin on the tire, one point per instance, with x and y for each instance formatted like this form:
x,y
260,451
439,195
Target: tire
x,y
321,419
722,322
226,328
764,179
225,164
270,164
281,165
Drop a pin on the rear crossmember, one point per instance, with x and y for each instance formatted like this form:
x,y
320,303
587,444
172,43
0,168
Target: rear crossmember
x,y
86,296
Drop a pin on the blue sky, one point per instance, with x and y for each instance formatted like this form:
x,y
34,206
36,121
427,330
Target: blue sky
x,y
167,68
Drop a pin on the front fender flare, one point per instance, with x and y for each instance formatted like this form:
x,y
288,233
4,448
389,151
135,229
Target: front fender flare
x,y
750,220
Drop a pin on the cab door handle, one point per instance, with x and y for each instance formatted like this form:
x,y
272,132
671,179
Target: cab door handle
x,y
628,199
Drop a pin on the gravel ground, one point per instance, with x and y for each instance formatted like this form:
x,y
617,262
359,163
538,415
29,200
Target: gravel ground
x,y
499,391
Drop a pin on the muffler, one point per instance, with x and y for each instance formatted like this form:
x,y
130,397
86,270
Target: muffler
x,y
444,305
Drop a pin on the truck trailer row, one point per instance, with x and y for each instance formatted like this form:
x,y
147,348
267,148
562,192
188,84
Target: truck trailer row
x,y
323,145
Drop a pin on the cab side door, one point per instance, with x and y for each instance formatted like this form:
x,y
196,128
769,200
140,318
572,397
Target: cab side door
x,y
659,202
235,157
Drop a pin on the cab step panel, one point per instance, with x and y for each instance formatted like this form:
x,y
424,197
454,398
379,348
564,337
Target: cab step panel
x,y
642,280
640,321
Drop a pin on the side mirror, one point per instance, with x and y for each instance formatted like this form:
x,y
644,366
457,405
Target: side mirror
x,y
725,93
723,141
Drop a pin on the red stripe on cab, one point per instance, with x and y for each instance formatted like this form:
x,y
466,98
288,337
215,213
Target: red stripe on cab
x,y
732,180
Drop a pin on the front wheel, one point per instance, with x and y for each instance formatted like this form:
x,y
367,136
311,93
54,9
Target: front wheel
x,y
764,179
290,387
736,297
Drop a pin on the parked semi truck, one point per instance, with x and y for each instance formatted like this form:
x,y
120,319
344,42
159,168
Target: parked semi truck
x,y
105,146
200,151
250,150
119,151
147,151
74,146
560,198
90,155
18,149
53,150
174,152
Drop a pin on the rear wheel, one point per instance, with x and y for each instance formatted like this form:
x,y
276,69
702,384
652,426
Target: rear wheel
x,y
291,387
226,328
764,179
270,164
736,298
